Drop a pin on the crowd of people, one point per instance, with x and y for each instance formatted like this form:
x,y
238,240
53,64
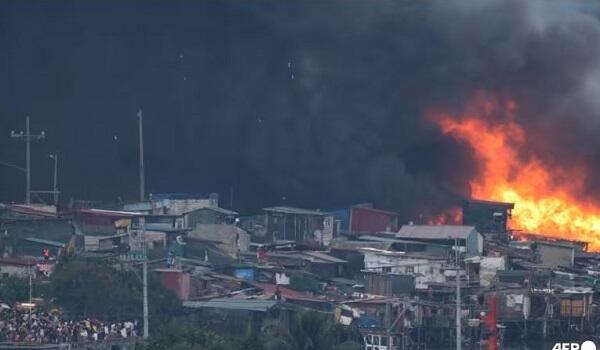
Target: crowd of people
x,y
16,326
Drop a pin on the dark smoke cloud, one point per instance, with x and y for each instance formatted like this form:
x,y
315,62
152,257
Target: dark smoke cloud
x,y
319,103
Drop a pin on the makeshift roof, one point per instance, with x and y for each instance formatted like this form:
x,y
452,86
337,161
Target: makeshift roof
x,y
295,211
499,204
391,240
217,210
357,245
375,210
258,305
19,261
103,238
31,210
176,196
322,257
311,256
46,242
393,253
111,213
162,227
435,231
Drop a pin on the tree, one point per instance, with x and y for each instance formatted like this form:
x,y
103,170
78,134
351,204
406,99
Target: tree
x,y
309,330
176,335
13,289
90,288
349,345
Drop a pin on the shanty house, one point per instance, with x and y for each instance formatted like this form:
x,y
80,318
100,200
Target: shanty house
x,y
467,236
19,236
298,225
209,216
425,268
232,239
555,254
489,218
364,218
173,203
236,316
16,267
100,222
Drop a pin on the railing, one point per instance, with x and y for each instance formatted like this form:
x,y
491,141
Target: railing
x,y
107,343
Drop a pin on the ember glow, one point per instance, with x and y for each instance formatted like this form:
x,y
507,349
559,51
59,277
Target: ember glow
x,y
452,216
545,200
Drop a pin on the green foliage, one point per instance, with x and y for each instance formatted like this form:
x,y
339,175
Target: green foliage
x,y
309,330
14,289
349,345
88,288
177,336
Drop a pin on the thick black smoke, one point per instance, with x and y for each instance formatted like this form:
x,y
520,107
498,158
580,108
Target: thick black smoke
x,y
314,104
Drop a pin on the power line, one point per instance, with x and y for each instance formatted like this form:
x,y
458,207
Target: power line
x,y
27,136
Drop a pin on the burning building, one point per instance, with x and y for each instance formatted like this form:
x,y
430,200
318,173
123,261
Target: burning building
x,y
489,218
549,197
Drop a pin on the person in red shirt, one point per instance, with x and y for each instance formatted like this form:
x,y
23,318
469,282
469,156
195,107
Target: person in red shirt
x,y
46,253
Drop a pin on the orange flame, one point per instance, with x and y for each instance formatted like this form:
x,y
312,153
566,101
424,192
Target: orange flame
x,y
452,216
545,197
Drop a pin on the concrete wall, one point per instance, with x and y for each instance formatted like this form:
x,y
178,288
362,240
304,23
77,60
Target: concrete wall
x,y
474,244
488,268
15,270
555,255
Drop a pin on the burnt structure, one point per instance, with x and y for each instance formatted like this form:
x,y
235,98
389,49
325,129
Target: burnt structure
x,y
489,218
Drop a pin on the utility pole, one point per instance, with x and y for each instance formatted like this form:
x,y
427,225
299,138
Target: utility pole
x,y
458,312
145,276
30,290
141,139
55,187
27,136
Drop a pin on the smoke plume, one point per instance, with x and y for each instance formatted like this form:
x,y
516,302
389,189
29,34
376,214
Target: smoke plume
x,y
316,104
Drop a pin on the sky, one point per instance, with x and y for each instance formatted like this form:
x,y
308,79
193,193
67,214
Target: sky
x,y
316,104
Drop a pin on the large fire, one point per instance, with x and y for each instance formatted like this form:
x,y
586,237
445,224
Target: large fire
x,y
545,198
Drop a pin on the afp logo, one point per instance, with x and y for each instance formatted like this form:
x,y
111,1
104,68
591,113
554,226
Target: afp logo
x,y
586,345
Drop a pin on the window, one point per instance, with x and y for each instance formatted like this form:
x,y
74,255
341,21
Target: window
x,y
376,340
384,341
386,269
410,269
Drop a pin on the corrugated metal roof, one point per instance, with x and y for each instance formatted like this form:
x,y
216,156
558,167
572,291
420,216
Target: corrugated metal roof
x,y
296,211
180,196
311,256
375,210
324,257
435,231
389,240
491,203
218,210
111,213
233,304
161,227
30,210
46,242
